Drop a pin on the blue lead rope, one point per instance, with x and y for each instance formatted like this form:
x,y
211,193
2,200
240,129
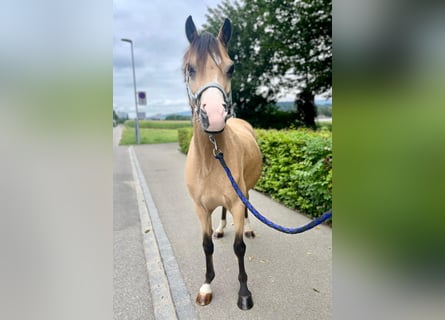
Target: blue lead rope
x,y
325,216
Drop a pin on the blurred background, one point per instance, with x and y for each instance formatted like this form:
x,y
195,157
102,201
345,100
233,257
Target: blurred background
x,y
388,151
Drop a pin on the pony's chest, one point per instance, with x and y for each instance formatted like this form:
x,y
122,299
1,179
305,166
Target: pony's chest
x,y
209,185
212,180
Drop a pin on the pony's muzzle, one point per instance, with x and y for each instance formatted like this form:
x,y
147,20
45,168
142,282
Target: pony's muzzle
x,y
214,119
213,113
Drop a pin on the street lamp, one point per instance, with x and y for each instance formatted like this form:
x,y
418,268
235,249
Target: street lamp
x,y
136,126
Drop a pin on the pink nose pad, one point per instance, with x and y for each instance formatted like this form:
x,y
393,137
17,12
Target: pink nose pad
x,y
212,102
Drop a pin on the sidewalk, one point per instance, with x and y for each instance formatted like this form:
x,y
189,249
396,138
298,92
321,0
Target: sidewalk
x,y
131,294
289,275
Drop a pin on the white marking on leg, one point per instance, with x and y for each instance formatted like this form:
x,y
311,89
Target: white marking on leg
x,y
221,226
247,227
205,289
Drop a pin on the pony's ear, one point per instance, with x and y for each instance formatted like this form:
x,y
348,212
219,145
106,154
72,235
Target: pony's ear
x,y
190,29
225,32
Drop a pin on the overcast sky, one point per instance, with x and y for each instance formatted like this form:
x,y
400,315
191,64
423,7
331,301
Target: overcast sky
x,y
157,28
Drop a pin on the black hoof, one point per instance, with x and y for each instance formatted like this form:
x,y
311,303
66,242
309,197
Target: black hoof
x,y
249,234
218,235
245,302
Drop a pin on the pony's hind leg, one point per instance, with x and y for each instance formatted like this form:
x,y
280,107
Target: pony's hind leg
x,y
245,301
219,232
248,232
205,292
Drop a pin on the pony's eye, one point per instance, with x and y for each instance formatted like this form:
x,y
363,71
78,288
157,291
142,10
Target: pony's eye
x,y
191,70
230,71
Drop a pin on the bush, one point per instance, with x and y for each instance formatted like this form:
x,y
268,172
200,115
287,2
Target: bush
x,y
324,126
184,137
297,168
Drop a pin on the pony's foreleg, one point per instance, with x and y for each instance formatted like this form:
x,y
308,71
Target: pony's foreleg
x,y
245,301
205,292
219,232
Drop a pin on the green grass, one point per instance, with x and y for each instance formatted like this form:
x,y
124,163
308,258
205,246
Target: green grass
x,y
153,131
160,124
149,136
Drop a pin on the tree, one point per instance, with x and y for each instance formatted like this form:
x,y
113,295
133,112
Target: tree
x,y
277,46
315,55
301,35
304,57
250,103
115,118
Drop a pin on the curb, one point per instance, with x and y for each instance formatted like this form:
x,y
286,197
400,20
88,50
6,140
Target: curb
x,y
169,293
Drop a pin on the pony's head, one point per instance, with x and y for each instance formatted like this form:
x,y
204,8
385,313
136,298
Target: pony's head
x,y
207,71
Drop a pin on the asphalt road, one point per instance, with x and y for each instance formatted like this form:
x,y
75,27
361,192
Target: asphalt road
x,y
131,293
289,275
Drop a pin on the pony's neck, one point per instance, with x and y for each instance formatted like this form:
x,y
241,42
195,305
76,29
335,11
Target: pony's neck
x,y
202,142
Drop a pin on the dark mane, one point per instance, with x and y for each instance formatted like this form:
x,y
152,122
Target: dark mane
x,y
201,47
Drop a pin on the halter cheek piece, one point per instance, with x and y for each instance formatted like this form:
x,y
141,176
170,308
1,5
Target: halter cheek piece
x,y
195,99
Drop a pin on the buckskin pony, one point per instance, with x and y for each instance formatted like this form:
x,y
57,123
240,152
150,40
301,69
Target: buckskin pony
x,y
208,71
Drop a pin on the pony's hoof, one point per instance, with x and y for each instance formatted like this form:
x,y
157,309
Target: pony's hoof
x,y
203,299
249,234
245,302
218,234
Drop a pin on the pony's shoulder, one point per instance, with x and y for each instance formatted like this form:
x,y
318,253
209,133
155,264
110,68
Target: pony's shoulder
x,y
239,124
241,131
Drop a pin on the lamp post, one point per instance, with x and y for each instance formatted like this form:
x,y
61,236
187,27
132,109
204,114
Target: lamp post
x,y
136,126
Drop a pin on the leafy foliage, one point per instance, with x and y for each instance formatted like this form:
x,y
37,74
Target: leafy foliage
x,y
297,168
249,62
301,33
276,45
184,138
117,119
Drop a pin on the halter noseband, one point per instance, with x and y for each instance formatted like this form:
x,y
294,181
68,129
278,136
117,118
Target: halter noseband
x,y
195,99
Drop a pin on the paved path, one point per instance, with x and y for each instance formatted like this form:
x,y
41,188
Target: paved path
x,y
131,293
289,275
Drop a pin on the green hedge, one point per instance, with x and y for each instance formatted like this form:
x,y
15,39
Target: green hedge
x,y
297,167
184,137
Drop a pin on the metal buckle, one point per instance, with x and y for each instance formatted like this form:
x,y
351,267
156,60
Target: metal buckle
x,y
216,150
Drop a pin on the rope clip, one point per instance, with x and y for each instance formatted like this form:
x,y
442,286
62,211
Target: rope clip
x,y
216,150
